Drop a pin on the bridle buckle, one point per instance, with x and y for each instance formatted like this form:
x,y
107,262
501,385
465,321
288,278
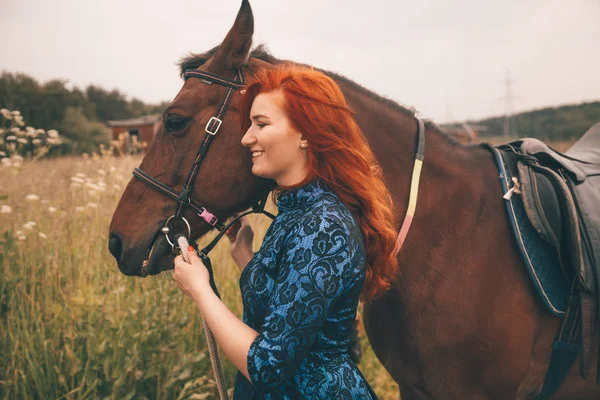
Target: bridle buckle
x,y
216,129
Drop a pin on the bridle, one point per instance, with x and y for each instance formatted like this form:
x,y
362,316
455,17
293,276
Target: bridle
x,y
211,129
183,198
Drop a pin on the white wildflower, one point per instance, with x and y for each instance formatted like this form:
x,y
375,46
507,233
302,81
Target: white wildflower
x,y
19,120
11,137
77,179
51,210
120,289
19,233
40,132
32,197
36,141
53,133
15,130
6,162
79,209
22,237
7,115
29,225
16,112
42,235
80,175
91,185
17,158
53,141
22,140
112,169
92,205
2,154
5,209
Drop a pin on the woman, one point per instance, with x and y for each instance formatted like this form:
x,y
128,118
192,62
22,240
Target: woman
x,y
330,244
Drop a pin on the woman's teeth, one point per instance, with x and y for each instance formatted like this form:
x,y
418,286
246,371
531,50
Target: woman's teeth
x,y
257,154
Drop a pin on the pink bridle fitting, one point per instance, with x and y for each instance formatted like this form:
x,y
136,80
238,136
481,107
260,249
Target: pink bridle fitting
x,y
414,187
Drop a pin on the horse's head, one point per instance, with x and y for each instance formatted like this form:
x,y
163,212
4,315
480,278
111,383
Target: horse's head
x,y
224,182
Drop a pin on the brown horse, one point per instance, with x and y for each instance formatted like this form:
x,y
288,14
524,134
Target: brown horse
x,y
462,321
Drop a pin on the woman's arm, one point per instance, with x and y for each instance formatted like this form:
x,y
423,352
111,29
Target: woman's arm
x,y
232,334
315,270
242,258
241,235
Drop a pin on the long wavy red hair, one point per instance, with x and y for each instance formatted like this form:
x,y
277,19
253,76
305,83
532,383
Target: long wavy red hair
x,y
339,154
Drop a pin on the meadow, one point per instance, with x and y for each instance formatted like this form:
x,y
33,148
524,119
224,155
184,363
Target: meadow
x,y
71,325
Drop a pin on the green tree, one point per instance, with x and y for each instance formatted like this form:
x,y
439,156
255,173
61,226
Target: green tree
x,y
85,135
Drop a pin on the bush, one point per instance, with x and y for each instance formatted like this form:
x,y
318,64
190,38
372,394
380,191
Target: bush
x,y
86,136
17,142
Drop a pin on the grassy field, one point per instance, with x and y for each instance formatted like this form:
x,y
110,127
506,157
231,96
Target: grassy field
x,y
71,325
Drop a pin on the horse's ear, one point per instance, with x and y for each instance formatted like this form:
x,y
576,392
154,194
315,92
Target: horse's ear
x,y
235,49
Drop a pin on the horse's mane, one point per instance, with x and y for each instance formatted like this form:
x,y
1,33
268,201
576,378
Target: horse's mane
x,y
195,60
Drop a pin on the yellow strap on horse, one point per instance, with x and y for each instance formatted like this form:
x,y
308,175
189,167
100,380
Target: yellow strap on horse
x,y
414,187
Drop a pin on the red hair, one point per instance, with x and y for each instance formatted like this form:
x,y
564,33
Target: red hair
x,y
339,154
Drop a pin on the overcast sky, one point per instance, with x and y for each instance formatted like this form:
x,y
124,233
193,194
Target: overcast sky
x,y
447,58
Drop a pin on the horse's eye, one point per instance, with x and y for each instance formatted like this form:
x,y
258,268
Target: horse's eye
x,y
175,123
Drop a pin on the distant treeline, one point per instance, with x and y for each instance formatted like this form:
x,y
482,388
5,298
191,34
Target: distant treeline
x,y
553,123
79,115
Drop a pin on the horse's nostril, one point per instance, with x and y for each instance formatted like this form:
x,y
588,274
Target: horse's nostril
x,y
115,247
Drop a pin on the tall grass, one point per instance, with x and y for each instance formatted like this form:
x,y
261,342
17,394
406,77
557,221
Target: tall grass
x,y
72,326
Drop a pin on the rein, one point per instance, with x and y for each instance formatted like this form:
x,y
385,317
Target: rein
x,y
180,242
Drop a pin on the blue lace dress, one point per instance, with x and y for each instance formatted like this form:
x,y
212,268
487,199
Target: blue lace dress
x,y
300,292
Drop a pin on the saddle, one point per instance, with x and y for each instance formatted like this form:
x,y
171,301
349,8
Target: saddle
x,y
560,193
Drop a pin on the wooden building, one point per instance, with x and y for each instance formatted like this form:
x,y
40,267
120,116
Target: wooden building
x,y
144,128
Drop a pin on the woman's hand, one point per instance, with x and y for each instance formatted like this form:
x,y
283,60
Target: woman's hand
x,y
241,235
192,278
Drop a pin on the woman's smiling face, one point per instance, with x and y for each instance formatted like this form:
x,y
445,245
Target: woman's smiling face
x,y
276,147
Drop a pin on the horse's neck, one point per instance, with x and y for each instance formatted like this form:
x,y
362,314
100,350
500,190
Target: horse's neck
x,y
453,179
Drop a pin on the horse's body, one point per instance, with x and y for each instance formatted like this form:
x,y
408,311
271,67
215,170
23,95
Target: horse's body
x,y
462,321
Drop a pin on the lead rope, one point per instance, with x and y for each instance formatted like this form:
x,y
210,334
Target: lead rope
x,y
213,351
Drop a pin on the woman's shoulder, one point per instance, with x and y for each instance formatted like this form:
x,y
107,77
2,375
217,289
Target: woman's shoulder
x,y
327,225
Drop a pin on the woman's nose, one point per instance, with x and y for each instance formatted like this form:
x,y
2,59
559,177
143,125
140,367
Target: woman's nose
x,y
248,139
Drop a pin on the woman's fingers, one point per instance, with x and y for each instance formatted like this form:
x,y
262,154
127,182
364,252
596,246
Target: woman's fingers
x,y
233,230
